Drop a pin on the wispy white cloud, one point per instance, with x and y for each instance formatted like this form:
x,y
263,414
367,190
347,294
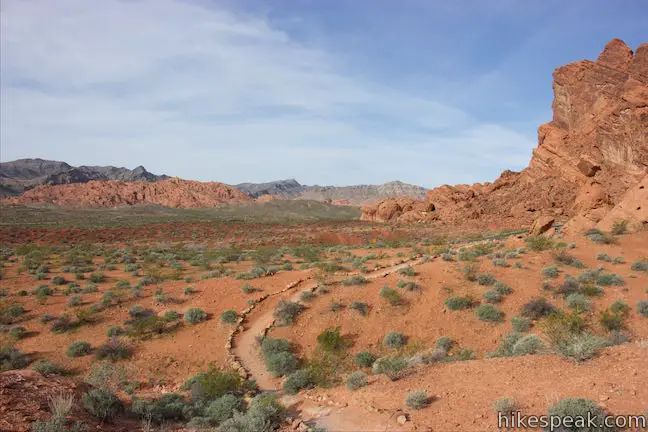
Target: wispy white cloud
x,y
202,92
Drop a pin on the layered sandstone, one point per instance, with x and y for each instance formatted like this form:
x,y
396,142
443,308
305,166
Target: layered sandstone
x,y
593,150
174,193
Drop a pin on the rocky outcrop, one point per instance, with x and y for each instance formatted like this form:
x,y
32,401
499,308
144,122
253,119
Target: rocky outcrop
x,y
632,208
403,210
593,150
23,174
174,193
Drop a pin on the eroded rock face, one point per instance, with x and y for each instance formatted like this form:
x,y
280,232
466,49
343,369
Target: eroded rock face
x,y
398,209
174,193
594,149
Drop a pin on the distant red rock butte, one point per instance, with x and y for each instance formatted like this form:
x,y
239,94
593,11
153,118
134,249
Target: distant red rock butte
x,y
173,192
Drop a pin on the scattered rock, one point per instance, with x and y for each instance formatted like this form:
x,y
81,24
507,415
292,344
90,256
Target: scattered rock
x,y
541,225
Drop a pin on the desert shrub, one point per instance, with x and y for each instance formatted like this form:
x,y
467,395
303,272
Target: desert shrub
x,y
551,271
489,313
537,308
61,324
331,340
223,408
394,340
97,277
18,332
365,359
579,302
520,324
355,280
639,266
195,316
505,348
502,289
189,290
444,343
619,307
492,296
394,367
362,308
470,272
642,308
59,280
78,349
12,358
565,258
408,285
74,301
45,367
170,406
539,243
170,316
580,410
42,291
598,236
500,262
447,257
102,403
463,354
505,405
580,347
619,227
90,288
122,284
529,344
297,381
306,296
335,306
607,279
417,400
213,384
281,363
486,279
264,414
459,303
407,271
137,312
391,295
286,312
356,380
229,317
611,320
106,374
115,349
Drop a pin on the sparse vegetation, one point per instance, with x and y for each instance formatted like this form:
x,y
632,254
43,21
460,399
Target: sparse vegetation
x,y
489,313
286,312
195,316
356,380
417,400
459,303
229,317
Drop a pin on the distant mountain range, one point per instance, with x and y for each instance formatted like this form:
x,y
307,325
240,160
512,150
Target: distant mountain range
x,y
358,194
21,175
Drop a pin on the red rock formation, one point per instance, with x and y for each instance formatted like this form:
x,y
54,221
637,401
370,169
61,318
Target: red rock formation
x,y
593,150
398,209
169,193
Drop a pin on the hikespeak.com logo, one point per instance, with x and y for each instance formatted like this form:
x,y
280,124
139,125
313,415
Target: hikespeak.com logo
x,y
517,420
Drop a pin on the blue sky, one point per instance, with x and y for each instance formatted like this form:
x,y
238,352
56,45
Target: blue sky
x,y
324,91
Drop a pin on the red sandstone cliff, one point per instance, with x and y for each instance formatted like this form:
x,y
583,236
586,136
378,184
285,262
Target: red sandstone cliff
x,y
593,150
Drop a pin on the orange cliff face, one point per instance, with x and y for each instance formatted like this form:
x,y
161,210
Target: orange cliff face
x,y
593,150
174,192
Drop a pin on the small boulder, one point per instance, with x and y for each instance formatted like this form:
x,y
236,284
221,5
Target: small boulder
x,y
401,419
541,225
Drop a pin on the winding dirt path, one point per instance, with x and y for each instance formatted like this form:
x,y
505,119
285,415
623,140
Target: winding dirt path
x,y
257,322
